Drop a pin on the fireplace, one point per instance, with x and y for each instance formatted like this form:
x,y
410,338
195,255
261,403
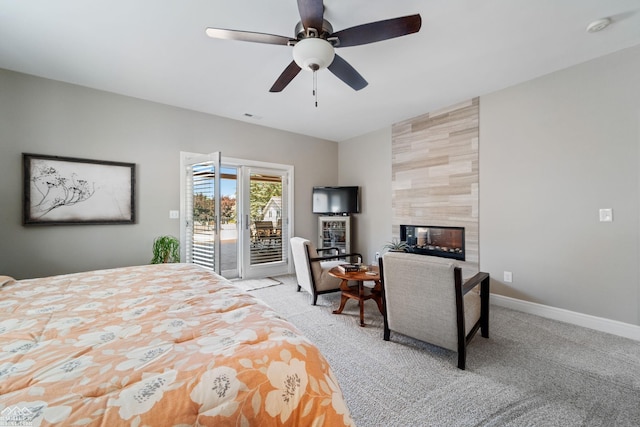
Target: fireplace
x,y
446,242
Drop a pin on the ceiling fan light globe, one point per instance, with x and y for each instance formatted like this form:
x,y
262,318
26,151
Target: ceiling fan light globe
x,y
313,54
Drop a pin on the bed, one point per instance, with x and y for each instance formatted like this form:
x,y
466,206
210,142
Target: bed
x,y
156,345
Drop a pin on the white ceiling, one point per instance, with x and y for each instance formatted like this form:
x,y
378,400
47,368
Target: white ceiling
x,y
157,50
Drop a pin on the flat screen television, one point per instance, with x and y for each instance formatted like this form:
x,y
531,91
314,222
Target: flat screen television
x,y
336,200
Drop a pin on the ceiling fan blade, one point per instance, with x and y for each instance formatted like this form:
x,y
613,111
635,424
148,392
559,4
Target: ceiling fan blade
x,y
311,13
378,31
247,36
285,78
347,73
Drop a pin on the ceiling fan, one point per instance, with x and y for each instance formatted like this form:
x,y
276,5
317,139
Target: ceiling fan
x,y
314,42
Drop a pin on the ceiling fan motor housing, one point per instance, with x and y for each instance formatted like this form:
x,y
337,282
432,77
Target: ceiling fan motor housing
x,y
323,33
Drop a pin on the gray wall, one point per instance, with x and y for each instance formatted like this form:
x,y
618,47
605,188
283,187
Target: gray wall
x,y
366,161
552,152
47,117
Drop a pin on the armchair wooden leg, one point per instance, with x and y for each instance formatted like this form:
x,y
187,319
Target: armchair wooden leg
x,y
462,358
385,320
315,299
484,308
462,353
385,325
299,287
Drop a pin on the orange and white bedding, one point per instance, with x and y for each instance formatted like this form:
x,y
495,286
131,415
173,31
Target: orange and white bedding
x,y
157,345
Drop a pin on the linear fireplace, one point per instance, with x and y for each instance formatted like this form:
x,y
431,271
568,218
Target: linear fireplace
x,y
446,242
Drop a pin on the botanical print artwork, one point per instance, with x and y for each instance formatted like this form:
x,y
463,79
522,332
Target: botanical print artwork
x,y
68,190
53,190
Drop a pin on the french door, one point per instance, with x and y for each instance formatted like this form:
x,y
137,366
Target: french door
x,y
200,241
236,215
265,240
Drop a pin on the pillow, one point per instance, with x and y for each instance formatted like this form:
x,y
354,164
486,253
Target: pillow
x,y
5,280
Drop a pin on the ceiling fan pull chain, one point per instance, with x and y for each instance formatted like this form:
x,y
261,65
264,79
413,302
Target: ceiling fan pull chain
x,y
315,87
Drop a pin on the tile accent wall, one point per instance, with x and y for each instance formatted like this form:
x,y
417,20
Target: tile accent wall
x,y
435,173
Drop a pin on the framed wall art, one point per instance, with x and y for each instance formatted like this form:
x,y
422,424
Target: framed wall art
x,y
67,190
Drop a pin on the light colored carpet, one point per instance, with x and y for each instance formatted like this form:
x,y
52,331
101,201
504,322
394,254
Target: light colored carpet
x,y
530,372
253,284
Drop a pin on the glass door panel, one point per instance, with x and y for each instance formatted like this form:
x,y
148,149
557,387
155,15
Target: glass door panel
x,y
268,242
229,223
265,205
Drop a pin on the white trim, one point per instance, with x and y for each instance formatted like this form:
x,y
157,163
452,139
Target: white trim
x,y
234,161
615,327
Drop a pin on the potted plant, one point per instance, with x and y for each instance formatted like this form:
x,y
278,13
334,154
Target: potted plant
x,y
396,245
166,249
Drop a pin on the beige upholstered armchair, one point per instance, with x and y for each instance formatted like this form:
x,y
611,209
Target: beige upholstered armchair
x,y
425,298
312,270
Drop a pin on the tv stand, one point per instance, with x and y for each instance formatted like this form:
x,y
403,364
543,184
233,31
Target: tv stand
x,y
335,231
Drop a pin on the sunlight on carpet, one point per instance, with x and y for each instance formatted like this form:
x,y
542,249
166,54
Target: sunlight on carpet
x,y
253,284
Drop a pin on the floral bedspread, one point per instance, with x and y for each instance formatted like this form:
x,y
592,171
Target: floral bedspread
x,y
156,345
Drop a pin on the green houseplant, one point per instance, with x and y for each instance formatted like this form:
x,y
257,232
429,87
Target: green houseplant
x,y
396,246
166,249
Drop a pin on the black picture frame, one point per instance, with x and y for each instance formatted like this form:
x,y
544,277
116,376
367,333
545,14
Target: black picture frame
x,y
67,190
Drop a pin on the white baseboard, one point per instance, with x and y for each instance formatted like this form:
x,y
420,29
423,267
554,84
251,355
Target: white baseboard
x,y
615,327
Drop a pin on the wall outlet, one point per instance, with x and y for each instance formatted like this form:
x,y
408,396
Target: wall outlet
x,y
508,277
174,214
377,257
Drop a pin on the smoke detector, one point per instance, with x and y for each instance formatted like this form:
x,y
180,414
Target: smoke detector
x,y
598,25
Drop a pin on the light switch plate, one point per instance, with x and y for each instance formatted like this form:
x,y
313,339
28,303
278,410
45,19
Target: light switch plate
x,y
606,215
508,277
